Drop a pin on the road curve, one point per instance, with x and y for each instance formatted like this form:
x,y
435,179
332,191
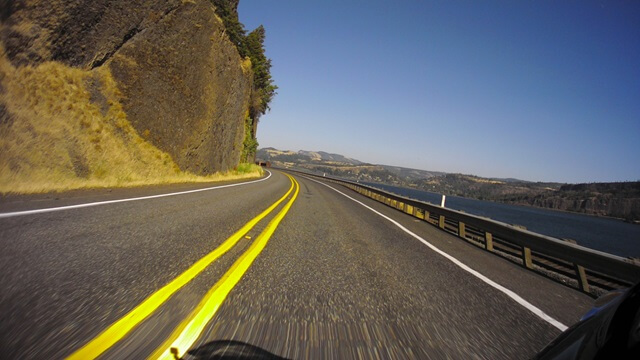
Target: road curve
x,y
68,274
334,280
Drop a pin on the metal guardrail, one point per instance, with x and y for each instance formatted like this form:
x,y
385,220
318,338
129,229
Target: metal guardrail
x,y
563,257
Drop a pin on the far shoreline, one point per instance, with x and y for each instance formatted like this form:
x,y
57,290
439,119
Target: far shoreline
x,y
632,222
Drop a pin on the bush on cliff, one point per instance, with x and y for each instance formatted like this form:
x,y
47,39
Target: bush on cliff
x,y
251,46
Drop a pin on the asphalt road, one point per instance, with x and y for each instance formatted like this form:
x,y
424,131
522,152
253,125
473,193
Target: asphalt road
x,y
334,280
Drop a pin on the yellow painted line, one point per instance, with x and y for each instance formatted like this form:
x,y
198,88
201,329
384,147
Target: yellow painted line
x,y
124,325
190,329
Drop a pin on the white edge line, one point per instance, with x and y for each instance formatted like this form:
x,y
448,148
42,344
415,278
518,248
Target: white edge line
x,y
78,206
560,326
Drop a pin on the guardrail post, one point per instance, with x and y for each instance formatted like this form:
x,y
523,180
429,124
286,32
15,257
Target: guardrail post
x,y
583,283
488,241
581,275
526,258
461,230
441,222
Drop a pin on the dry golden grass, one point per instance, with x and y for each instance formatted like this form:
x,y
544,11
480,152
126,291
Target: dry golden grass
x,y
484,181
64,128
246,64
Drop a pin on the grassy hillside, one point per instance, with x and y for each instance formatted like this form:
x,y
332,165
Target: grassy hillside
x,y
64,128
342,166
483,188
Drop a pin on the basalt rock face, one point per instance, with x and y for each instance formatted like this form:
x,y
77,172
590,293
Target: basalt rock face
x,y
182,83
185,89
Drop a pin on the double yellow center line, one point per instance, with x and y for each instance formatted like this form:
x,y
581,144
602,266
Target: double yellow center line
x,y
190,329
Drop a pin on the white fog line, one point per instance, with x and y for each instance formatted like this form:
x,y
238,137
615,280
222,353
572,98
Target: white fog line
x,y
541,314
78,206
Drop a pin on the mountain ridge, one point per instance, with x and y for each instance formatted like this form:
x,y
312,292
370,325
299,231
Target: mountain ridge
x,y
620,200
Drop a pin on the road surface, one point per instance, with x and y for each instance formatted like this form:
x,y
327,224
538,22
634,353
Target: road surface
x,y
316,275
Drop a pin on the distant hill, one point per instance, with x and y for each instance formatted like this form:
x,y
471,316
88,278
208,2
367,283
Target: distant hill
x,y
620,200
305,156
342,166
346,167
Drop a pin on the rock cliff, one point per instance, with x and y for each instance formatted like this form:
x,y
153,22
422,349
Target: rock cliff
x,y
178,80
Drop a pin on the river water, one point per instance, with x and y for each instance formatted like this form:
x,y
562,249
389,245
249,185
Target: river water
x,y
605,234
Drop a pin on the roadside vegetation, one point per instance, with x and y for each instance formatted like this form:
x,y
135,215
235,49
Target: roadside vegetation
x,y
64,128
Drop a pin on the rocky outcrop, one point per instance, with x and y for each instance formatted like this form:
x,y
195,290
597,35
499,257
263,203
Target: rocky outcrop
x,y
185,89
181,82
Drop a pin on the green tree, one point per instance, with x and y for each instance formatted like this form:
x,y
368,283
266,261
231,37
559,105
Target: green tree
x,y
250,144
251,46
227,10
264,88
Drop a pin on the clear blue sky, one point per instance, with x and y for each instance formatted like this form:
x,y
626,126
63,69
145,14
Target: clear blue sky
x,y
536,90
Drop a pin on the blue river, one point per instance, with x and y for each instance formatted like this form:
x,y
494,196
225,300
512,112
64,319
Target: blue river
x,y
605,234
